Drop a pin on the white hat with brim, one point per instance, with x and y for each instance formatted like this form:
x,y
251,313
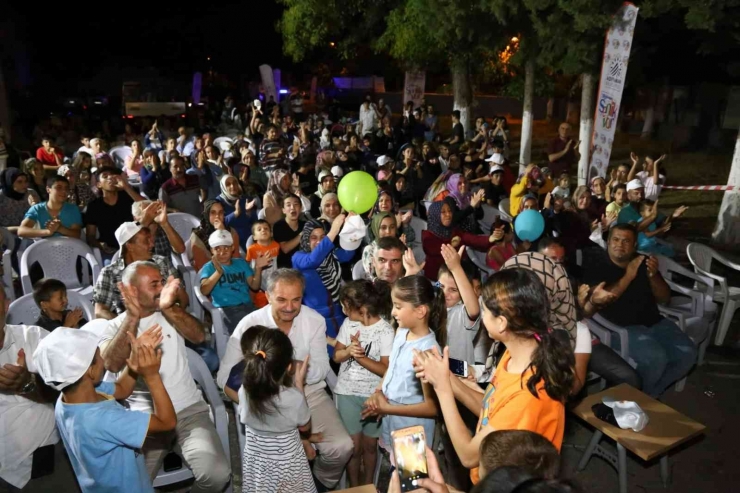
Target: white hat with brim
x,y
62,357
220,237
352,234
496,158
126,231
635,185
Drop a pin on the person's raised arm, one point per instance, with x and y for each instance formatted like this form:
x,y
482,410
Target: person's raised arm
x,y
208,283
656,170
188,326
116,350
470,300
123,184
659,287
176,244
288,246
633,169
127,380
262,261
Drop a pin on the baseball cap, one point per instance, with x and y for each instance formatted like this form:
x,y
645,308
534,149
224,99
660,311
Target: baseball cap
x,y
338,172
383,160
63,356
496,158
126,231
635,184
352,234
220,237
496,169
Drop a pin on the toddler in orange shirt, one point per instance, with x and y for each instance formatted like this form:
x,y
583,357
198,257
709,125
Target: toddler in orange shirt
x,y
263,244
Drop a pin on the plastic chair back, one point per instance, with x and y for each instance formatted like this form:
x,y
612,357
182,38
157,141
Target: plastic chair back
x,y
479,260
700,256
58,259
358,271
503,207
119,155
183,223
24,310
223,143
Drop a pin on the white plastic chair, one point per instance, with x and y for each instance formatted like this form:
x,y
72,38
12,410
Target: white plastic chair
x,y
503,207
418,225
8,245
218,143
24,310
184,224
358,271
479,260
202,376
220,334
701,257
489,217
119,155
58,259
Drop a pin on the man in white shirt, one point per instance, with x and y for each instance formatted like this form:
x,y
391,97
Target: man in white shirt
x,y
150,302
307,332
26,404
368,117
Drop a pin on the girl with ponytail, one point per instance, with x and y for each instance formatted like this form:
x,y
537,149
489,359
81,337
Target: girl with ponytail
x,y
275,414
532,380
401,399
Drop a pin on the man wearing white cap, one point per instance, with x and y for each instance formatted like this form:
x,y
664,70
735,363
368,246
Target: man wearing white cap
x,y
631,212
137,243
101,436
27,417
149,301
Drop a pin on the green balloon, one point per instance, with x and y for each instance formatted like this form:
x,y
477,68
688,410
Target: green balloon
x,y
357,192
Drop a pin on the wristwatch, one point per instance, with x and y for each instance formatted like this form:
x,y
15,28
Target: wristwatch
x,y
29,387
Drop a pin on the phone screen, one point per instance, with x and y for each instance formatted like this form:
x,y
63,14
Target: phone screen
x,y
459,367
411,459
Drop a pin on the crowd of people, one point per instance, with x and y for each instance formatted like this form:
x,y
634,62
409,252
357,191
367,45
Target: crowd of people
x,y
366,326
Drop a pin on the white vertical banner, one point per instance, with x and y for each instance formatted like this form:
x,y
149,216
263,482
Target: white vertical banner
x,y
413,88
617,49
268,82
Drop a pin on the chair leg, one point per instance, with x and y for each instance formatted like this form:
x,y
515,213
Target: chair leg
x,y
665,473
595,439
705,344
728,311
622,468
681,384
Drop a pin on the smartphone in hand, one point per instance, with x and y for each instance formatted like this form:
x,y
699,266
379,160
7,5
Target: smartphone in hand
x,y
409,449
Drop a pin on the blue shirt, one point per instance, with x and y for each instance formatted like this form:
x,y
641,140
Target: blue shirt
x,y
69,216
232,288
400,383
103,441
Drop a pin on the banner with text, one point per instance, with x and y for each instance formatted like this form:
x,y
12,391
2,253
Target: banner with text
x,y
617,49
413,89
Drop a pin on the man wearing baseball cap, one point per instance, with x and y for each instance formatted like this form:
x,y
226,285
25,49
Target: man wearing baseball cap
x,y
101,436
136,244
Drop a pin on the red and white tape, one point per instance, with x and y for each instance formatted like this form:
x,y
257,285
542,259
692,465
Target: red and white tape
x,y
716,188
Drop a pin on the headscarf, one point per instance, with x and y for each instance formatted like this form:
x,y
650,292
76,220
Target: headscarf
x,y
323,173
434,219
376,207
562,313
206,228
273,185
230,199
376,221
462,200
329,270
7,178
325,160
324,200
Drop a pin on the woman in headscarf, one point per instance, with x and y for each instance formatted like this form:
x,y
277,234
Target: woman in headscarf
x,y
327,184
382,224
467,209
330,207
15,198
211,220
441,230
386,203
318,260
36,180
240,212
277,189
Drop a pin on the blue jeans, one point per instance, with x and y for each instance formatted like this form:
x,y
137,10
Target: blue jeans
x,y
663,354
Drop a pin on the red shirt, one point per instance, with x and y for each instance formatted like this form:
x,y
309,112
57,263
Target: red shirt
x,y
564,164
432,245
47,158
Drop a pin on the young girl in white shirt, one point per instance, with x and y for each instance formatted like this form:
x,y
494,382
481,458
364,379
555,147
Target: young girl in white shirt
x,y
363,347
402,399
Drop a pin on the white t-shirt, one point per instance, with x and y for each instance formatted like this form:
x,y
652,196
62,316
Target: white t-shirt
x,y
461,332
174,370
25,425
652,190
377,340
368,118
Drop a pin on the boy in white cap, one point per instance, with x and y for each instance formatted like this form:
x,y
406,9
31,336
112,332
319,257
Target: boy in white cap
x,y
228,280
102,437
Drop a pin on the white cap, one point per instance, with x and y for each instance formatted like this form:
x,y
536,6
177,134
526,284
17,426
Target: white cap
x,y
63,356
635,184
257,103
352,234
496,158
220,237
337,171
126,231
496,169
629,414
383,160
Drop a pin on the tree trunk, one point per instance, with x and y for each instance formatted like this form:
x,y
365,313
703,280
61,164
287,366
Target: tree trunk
x,y
525,148
727,230
587,127
647,127
550,109
462,89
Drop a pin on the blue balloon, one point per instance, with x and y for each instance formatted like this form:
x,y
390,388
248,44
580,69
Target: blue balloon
x,y
529,225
